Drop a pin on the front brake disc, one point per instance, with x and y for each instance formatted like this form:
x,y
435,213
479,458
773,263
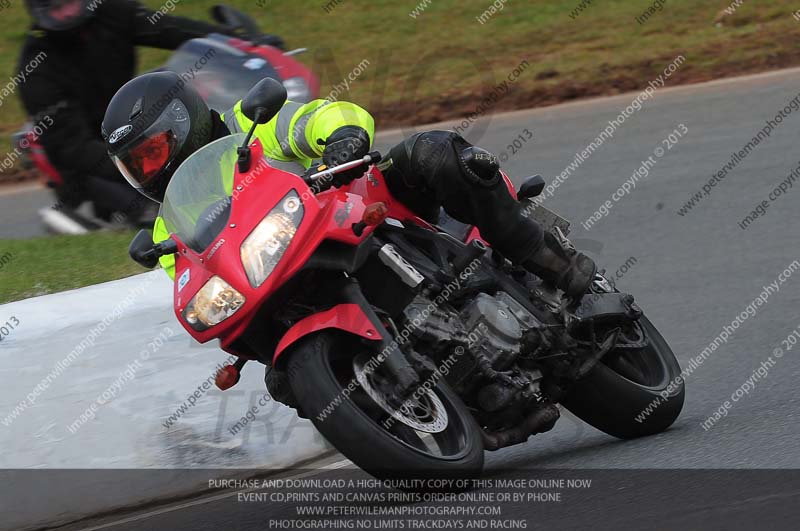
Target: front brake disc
x,y
424,411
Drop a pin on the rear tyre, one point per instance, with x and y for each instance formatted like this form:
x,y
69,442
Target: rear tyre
x,y
631,393
321,367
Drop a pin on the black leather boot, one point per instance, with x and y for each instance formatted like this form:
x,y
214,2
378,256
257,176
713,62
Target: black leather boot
x,y
568,270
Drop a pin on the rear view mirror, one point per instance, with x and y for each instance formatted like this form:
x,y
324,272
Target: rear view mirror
x,y
264,100
142,250
532,187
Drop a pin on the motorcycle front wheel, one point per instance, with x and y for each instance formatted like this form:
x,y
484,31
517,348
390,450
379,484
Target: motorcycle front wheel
x,y
433,437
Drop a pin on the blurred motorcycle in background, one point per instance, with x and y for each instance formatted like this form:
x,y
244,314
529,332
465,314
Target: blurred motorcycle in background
x,y
237,65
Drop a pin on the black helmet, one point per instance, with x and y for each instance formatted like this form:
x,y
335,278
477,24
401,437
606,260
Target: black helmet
x,y
60,15
153,123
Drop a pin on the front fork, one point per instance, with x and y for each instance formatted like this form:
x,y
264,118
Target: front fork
x,y
392,360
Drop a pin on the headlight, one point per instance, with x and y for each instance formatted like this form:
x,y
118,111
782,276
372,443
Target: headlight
x,y
215,302
265,246
297,89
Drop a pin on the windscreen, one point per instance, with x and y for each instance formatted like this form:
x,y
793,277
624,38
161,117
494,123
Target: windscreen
x,y
197,201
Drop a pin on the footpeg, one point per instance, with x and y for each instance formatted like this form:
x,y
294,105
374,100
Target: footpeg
x,y
605,308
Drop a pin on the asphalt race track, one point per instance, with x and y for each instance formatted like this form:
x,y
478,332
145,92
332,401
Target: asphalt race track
x,y
693,275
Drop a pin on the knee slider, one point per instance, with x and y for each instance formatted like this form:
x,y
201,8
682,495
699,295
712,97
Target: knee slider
x,y
480,166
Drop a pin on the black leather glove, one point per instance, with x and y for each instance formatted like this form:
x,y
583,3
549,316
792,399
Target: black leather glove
x,y
246,34
237,24
271,40
346,144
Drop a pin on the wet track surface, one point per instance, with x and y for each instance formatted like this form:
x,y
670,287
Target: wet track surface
x,y
693,275
19,206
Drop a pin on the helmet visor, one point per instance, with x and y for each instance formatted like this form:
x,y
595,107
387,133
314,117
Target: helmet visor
x,y
59,15
144,160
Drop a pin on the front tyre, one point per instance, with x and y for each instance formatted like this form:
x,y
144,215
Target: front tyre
x,y
631,392
437,438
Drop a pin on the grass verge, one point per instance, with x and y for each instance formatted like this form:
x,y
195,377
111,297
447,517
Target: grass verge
x,y
29,268
432,60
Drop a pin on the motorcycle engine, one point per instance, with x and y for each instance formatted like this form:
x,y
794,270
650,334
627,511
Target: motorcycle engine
x,y
501,331
488,371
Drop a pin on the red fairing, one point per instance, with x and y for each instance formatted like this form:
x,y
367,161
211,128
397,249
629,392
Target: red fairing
x,y
222,258
50,175
286,66
348,317
372,187
509,184
329,215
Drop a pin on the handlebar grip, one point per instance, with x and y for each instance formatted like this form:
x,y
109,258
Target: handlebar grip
x,y
373,157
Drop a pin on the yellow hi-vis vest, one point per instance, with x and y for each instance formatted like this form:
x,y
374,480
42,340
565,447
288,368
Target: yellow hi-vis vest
x,y
295,134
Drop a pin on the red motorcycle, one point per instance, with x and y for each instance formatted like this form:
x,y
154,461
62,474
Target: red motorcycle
x,y
411,347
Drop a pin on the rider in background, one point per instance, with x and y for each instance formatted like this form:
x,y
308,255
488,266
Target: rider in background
x,y
88,51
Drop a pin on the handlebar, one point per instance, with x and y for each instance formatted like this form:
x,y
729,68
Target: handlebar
x,y
325,177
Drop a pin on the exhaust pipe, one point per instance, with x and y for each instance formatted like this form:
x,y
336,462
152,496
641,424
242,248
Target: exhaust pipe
x,y
540,421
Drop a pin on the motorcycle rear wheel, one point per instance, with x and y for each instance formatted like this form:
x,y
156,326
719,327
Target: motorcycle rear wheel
x,y
321,367
627,394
